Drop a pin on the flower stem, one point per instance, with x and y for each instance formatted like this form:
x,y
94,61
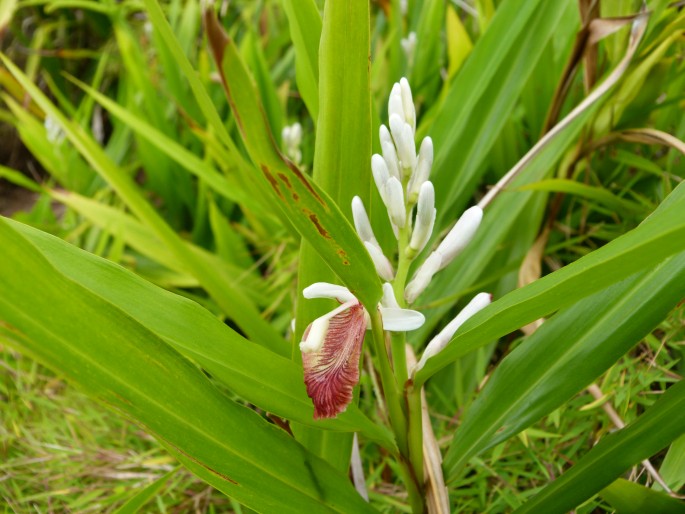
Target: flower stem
x,y
390,387
413,398
398,419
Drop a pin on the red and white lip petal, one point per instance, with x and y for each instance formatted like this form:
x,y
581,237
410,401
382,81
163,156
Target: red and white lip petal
x,y
332,370
401,320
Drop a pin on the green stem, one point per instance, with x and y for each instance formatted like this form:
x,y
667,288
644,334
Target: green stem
x,y
415,415
399,356
393,401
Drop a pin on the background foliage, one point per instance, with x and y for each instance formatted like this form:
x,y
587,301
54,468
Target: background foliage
x,y
120,140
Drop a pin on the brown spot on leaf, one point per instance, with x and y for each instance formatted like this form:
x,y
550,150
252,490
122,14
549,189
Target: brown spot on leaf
x,y
306,182
286,180
314,219
343,257
272,180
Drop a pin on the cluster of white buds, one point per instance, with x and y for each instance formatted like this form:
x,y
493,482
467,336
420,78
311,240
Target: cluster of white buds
x,y
402,179
292,137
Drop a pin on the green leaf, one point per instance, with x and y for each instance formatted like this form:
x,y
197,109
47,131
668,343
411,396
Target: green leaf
x,y
273,383
217,285
138,500
613,455
341,164
305,31
658,237
117,360
483,95
563,356
168,145
630,498
598,194
307,206
672,469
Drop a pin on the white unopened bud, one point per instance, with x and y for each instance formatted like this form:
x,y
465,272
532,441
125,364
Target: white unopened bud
x,y
438,343
395,104
406,148
384,135
407,99
380,261
292,137
390,158
380,174
326,290
460,235
425,217
396,122
395,201
423,169
361,221
389,299
422,277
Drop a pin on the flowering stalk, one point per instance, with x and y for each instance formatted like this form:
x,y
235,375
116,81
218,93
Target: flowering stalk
x,y
332,344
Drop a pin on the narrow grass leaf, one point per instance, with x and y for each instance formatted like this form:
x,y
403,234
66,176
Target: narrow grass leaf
x,y
563,356
613,455
630,498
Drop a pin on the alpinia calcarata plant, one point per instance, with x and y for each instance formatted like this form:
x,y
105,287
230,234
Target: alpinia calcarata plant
x,y
318,227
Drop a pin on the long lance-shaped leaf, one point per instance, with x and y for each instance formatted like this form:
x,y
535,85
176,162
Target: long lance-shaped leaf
x,y
341,164
166,144
304,21
310,209
143,240
537,162
232,302
630,498
661,235
270,382
117,360
483,95
563,356
613,455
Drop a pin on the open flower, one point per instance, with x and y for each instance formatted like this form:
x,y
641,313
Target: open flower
x,y
332,344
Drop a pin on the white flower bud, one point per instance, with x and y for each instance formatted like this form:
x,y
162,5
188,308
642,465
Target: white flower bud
x,y
395,104
407,100
361,221
425,217
460,235
406,148
296,134
380,261
380,174
396,123
390,158
438,343
423,169
395,201
422,277
326,290
389,299
384,135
